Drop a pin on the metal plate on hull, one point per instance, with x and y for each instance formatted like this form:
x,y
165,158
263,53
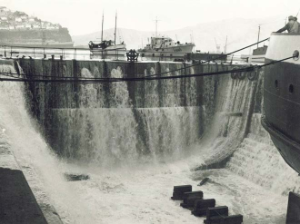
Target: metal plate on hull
x,y
282,97
289,149
282,110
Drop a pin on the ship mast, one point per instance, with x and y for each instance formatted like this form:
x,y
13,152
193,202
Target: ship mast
x,y
156,22
258,34
115,34
102,27
225,47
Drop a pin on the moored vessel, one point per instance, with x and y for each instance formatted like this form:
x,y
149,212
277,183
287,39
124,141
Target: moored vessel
x,y
282,96
164,48
107,49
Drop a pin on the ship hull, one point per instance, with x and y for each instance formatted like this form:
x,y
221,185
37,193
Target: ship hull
x,y
282,97
115,52
170,53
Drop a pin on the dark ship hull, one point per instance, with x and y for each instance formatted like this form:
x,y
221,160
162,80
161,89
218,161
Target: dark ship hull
x,y
282,97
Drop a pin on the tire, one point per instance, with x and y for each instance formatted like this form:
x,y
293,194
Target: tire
x,y
241,75
233,75
252,75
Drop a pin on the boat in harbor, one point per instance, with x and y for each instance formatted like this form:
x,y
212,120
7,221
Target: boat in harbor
x,y
107,49
164,48
282,96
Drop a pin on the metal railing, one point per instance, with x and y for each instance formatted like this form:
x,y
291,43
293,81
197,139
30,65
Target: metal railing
x,y
15,51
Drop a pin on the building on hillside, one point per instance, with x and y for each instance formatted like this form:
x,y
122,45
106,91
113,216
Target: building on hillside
x,y
31,19
24,17
18,19
36,25
20,26
27,26
45,25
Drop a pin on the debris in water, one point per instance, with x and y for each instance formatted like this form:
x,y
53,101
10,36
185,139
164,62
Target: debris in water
x,y
203,181
76,177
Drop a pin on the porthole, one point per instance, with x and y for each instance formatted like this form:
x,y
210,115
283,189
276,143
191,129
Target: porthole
x,y
291,88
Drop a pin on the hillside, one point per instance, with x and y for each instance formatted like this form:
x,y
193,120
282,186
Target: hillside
x,y
18,28
240,32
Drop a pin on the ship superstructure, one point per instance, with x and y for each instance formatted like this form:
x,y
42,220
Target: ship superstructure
x,y
165,47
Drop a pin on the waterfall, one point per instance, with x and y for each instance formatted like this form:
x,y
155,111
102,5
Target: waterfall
x,y
22,147
258,159
123,133
137,140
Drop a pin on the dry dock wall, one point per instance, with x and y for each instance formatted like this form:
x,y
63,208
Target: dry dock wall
x,y
152,109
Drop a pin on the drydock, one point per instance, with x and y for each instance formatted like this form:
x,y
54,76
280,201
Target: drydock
x,y
137,139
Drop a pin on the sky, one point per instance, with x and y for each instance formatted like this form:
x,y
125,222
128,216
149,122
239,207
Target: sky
x,y
85,16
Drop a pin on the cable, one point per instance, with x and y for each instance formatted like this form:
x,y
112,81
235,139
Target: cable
x,y
213,59
180,69
136,79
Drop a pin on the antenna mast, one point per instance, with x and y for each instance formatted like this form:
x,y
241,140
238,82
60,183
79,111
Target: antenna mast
x,y
225,47
115,34
102,26
298,13
258,34
156,21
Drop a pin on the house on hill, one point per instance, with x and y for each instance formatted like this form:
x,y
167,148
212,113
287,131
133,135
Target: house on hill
x,y
20,26
31,19
36,25
18,20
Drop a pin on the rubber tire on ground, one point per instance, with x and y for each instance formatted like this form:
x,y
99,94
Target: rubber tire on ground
x,y
234,75
241,75
252,75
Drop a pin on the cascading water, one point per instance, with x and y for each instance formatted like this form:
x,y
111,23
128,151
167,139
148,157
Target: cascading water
x,y
122,133
137,140
23,147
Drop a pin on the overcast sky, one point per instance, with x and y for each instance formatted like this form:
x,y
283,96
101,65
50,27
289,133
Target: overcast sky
x,y
84,16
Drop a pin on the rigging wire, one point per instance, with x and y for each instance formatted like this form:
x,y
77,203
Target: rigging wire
x,y
135,79
157,74
223,55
